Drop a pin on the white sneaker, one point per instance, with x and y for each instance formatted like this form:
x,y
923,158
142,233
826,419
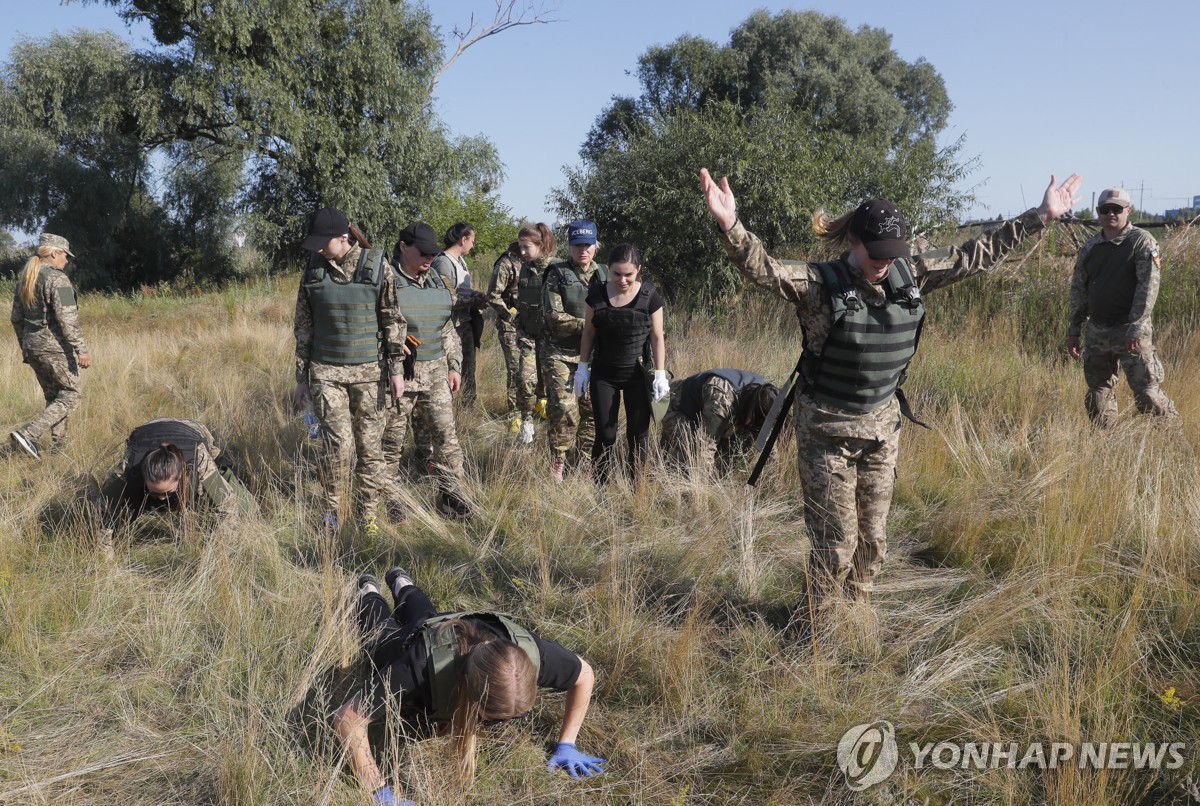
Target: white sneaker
x,y
527,432
26,444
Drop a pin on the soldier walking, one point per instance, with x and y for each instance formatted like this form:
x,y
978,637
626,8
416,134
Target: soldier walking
x,y
45,316
431,372
572,426
349,346
1113,289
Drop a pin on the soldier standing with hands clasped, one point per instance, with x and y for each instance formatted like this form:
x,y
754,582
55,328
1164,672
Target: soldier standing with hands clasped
x,y
349,345
861,316
1113,289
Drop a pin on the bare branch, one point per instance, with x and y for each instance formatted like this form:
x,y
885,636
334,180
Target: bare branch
x,y
507,16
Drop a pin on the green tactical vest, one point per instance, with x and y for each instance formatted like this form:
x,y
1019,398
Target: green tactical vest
x,y
427,309
866,357
529,298
34,315
441,653
345,315
573,292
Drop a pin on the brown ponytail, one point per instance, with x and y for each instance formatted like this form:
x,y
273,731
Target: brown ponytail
x,y
357,238
542,235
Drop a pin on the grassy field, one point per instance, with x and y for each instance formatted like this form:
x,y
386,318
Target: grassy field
x,y
1042,585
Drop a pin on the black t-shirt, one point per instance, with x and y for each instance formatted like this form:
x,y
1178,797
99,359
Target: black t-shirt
x,y
407,676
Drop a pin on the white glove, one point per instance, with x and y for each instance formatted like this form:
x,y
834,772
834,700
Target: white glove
x,y
660,388
582,376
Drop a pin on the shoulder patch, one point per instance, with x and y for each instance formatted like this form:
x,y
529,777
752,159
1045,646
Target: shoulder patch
x,y
1156,257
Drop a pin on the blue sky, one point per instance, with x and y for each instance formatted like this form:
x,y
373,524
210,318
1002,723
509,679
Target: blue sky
x,y
1102,88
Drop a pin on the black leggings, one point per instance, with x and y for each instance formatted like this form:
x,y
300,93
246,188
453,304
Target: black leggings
x,y
384,630
609,385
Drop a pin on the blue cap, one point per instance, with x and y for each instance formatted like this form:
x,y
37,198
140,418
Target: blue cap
x,y
581,231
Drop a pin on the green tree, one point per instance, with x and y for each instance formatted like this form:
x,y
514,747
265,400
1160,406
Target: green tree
x,y
495,226
799,111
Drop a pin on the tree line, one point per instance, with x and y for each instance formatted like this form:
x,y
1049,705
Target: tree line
x,y
245,115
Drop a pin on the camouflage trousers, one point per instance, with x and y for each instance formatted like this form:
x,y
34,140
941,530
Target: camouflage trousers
x,y
58,376
571,421
467,335
848,484
506,334
351,422
530,372
1103,352
433,409
683,439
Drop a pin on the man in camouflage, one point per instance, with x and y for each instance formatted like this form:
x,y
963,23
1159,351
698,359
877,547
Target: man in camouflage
x,y
346,311
47,328
451,264
564,295
861,317
713,411
431,372
1113,289
502,297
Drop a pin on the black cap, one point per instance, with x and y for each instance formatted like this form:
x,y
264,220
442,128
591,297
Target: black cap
x,y
881,228
325,225
422,236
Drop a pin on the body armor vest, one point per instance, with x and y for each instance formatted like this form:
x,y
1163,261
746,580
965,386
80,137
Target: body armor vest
x,y
622,334
573,292
148,436
427,309
529,297
35,316
866,357
345,315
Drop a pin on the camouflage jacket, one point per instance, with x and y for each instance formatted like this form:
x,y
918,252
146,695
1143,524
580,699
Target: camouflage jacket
x,y
800,283
1145,266
391,324
558,321
450,340
502,289
62,333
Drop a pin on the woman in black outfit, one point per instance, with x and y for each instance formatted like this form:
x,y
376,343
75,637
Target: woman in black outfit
x,y
623,321
458,671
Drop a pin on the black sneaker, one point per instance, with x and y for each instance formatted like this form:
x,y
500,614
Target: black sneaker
x,y
364,581
26,444
452,505
397,579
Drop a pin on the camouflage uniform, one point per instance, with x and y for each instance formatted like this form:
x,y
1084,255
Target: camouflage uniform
x,y
349,399
530,369
571,421
701,433
428,401
502,297
454,271
221,491
1113,289
847,459
51,343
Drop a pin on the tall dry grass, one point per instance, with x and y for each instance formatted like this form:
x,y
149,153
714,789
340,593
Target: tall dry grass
x,y
1043,581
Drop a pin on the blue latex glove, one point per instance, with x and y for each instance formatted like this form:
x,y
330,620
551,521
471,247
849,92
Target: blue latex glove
x,y
567,756
385,797
582,375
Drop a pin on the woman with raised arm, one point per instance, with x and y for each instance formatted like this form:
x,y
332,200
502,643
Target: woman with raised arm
x,y
861,315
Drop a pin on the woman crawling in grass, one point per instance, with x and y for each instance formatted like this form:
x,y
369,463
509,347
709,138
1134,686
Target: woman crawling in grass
x,y
457,671
861,316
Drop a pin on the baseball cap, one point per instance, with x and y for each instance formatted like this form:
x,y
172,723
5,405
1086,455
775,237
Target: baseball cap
x,y
581,231
1114,196
325,225
881,228
422,236
55,242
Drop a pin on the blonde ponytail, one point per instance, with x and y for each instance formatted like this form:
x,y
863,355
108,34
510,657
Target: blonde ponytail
x,y
29,275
